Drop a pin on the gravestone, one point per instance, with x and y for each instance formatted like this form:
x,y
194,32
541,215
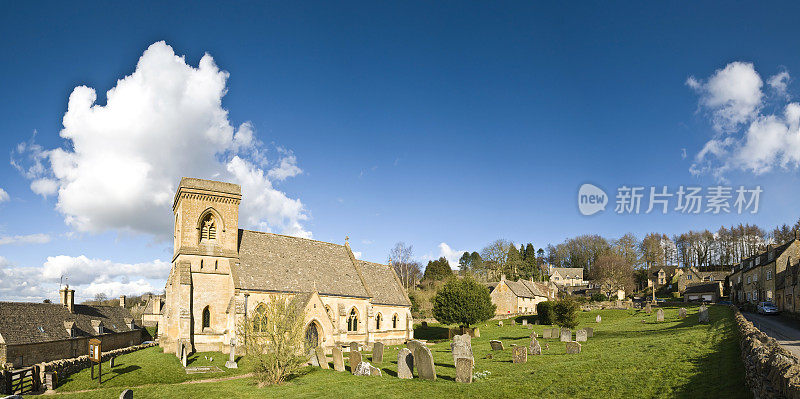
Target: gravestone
x,y
648,308
355,359
476,332
500,323
546,333
374,371
321,358
702,314
461,346
660,315
535,348
312,356
112,361
231,363
524,322
513,322
530,326
338,359
682,313
496,345
413,345
581,335
566,335
589,332
598,319
534,335
424,363
573,347
424,324
464,367
405,364
126,394
184,356
519,354
353,346
363,368
377,352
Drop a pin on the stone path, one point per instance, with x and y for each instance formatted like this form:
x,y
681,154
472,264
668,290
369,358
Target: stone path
x,y
781,330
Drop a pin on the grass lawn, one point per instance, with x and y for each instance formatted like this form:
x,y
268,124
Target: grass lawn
x,y
625,358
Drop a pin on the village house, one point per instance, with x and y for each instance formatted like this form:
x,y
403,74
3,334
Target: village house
x,y
222,275
521,296
703,292
567,276
786,287
32,333
754,279
660,276
152,310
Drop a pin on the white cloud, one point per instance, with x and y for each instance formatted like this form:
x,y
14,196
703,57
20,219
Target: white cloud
x,y
26,239
4,195
780,83
450,254
732,95
758,142
164,121
83,270
357,254
20,283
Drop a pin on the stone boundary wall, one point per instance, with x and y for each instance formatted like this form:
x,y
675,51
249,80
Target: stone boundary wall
x,y
65,367
770,370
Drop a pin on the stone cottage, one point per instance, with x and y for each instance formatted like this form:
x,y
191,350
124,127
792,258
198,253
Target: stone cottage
x,y
32,333
521,296
222,275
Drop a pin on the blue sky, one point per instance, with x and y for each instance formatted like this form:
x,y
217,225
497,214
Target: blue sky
x,y
426,123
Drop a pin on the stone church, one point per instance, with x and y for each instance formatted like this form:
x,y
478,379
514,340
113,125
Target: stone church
x,y
222,275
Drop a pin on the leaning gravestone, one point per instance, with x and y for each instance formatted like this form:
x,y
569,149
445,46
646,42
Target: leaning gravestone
x,y
660,315
461,346
338,359
589,332
355,359
126,394
496,345
321,358
377,352
405,364
425,367
524,322
648,308
464,367
702,314
566,335
413,345
682,313
573,347
519,354
312,356
535,348
598,319
581,335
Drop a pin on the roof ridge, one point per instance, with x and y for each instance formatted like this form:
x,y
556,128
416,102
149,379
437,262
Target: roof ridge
x,y
295,237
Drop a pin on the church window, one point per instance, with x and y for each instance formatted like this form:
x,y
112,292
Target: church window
x,y
206,318
201,264
394,321
260,318
352,321
378,320
208,228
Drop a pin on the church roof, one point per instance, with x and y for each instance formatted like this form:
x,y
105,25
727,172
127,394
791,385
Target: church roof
x,y
28,322
278,263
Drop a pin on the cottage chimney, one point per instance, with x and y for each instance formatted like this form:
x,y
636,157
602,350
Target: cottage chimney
x,y
67,298
502,277
122,301
156,304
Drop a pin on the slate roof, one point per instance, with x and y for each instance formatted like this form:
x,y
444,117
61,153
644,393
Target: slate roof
x,y
523,288
669,271
763,257
20,322
569,272
278,263
703,288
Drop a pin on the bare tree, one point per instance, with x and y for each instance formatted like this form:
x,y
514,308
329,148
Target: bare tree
x,y
401,259
494,257
612,272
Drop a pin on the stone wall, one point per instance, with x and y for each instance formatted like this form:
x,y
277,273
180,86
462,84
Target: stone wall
x,y
771,371
69,348
66,367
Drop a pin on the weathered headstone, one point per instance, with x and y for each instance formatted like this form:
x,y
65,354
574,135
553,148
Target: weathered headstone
x,y
338,359
660,315
353,346
581,335
184,356
702,314
424,363
648,308
405,364
126,394
598,319
413,345
355,359
524,322
312,357
682,313
566,335
111,362
534,335
496,345
573,347
530,326
461,346
519,354
377,352
363,368
500,323
374,371
464,367
589,332
476,332
231,363
321,358
513,322
535,348
546,333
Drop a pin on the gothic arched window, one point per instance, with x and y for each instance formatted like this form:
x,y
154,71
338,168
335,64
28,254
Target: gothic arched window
x,y
206,318
352,321
394,321
208,228
378,320
260,318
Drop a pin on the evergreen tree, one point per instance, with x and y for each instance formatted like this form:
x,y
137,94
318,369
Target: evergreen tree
x,y
437,269
463,302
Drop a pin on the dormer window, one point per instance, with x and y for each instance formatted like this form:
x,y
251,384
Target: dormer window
x,y
208,228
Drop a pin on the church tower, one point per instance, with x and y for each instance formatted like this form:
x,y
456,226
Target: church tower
x,y
206,233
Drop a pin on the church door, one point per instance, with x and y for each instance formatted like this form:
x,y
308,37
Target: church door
x,y
312,335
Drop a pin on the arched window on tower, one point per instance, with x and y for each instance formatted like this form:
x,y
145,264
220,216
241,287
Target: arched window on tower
x,y
206,318
352,321
208,228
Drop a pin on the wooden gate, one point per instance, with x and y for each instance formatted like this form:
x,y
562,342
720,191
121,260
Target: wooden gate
x,y
21,381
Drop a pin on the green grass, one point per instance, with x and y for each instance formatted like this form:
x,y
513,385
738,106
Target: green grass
x,y
625,358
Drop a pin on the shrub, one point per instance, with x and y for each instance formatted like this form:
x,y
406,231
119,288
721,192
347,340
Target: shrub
x,y
463,302
545,312
566,313
599,297
274,337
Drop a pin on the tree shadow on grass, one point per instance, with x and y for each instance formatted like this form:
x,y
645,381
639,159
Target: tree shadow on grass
x,y
117,371
431,333
452,366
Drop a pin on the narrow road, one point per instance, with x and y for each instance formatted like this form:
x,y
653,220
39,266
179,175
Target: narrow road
x,y
785,332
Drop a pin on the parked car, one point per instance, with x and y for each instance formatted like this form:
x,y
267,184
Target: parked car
x,y
725,303
767,308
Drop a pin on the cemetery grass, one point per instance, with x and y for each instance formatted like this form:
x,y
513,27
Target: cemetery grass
x,y
625,358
